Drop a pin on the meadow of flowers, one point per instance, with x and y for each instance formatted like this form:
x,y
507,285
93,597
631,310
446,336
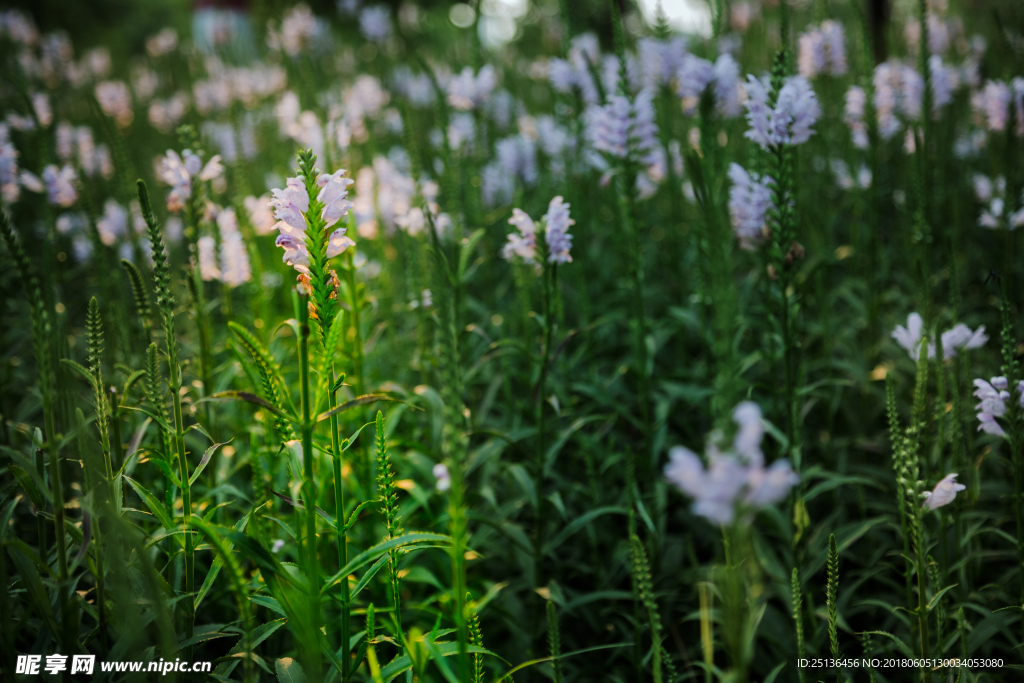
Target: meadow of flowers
x,y
510,341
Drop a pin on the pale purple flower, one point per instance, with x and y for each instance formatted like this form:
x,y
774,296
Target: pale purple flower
x,y
462,132
234,259
299,29
260,213
30,181
959,338
992,104
60,185
468,90
64,140
292,202
417,88
661,59
694,75
41,107
9,186
179,171
735,481
909,337
115,99
19,27
521,244
114,222
822,50
441,474
984,187
945,79
963,338
789,121
497,186
278,545
727,86
992,397
517,157
556,231
375,23
161,43
750,199
845,180
622,128
898,93
208,268
943,493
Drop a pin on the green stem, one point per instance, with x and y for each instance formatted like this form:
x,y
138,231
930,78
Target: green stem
x,y
628,221
548,276
308,525
339,518
186,500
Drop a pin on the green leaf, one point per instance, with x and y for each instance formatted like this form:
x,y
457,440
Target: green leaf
x,y
84,372
367,556
299,504
935,600
354,517
347,443
165,467
367,575
907,652
29,486
289,671
270,603
154,505
206,459
564,437
248,397
153,416
34,585
355,403
468,247
582,521
218,563
561,656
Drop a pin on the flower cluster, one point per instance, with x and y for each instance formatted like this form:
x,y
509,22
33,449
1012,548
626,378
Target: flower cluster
x,y
959,338
9,186
233,267
179,171
575,74
991,194
661,59
822,50
991,104
115,100
750,199
468,90
789,121
114,222
695,75
736,483
60,185
624,128
290,205
992,397
522,245
898,93
375,23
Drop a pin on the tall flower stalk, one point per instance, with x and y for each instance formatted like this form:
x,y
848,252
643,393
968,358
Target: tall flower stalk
x,y
165,304
307,209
